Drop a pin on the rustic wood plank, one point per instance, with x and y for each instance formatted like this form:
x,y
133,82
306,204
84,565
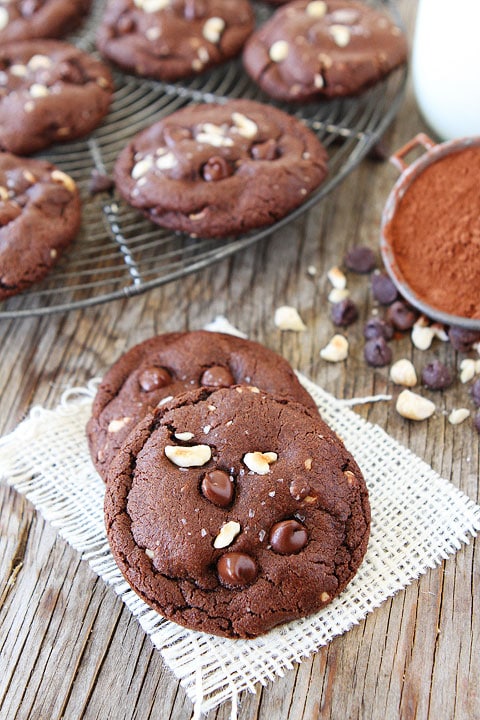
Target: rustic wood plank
x,y
68,647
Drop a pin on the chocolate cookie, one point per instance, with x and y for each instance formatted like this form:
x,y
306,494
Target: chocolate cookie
x,y
168,365
26,19
39,217
49,92
232,511
217,170
173,39
312,49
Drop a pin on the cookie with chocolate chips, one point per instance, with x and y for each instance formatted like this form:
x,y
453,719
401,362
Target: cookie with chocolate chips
x,y
231,511
312,49
214,170
39,217
50,92
173,39
27,19
168,365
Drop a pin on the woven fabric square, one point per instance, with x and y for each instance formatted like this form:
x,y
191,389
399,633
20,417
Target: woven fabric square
x,y
419,519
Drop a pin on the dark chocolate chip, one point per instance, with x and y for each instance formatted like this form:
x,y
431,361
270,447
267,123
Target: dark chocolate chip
x,y
437,376
153,378
299,489
360,259
379,152
125,25
264,151
377,352
475,392
99,183
216,168
217,376
344,313
463,339
287,537
401,316
476,422
217,486
236,569
383,289
376,327
174,134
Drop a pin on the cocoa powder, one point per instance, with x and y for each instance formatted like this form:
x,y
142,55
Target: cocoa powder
x,y
435,234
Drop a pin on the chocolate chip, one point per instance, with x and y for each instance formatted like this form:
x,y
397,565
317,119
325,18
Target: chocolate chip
x,y
174,134
476,422
217,486
383,289
436,376
125,25
344,313
236,569
18,181
217,376
463,339
377,352
376,327
99,183
72,72
264,151
475,392
216,168
153,378
287,537
401,316
299,488
379,152
360,259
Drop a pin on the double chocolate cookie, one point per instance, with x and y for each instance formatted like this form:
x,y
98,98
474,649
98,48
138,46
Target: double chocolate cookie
x,y
168,365
50,92
39,217
25,19
214,170
311,49
231,511
173,39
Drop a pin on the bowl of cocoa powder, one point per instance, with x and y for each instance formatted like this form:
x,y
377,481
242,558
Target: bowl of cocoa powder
x,y
430,230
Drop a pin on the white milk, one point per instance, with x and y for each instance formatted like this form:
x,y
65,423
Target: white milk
x,y
446,66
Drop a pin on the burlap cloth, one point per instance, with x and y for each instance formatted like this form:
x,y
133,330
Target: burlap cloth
x,y
419,519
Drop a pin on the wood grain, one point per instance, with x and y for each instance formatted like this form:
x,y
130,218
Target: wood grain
x,y
68,647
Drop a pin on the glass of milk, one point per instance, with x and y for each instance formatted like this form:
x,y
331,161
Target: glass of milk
x,y
446,66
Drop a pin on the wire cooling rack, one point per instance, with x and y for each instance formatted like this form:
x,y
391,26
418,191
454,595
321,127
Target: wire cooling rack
x,y
117,252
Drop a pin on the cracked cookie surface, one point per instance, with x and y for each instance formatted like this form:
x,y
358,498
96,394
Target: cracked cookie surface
x,y
169,364
39,217
231,511
173,39
26,19
50,92
311,49
221,169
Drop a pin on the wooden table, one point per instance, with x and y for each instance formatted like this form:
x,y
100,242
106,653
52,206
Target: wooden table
x,y
70,649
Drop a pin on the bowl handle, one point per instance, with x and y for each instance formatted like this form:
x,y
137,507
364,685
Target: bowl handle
x,y
420,139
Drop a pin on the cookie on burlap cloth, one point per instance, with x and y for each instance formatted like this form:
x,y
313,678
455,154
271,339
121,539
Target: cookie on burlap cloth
x,y
231,511
169,364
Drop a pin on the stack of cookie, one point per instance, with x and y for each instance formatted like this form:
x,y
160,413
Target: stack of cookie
x,y
230,506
